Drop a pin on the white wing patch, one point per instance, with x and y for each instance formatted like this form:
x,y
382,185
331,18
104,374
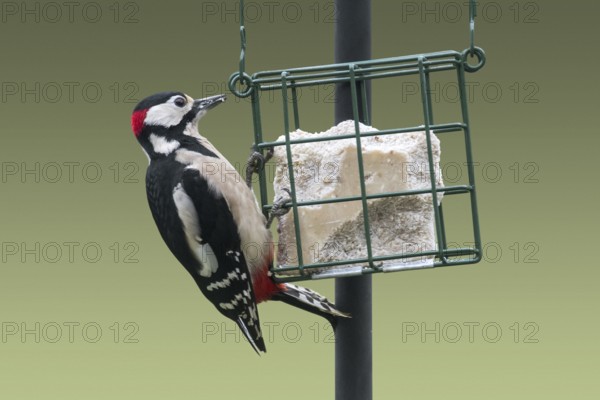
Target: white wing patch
x,y
162,145
189,217
224,180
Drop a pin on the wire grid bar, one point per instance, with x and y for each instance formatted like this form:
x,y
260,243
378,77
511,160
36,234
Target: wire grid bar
x,y
357,74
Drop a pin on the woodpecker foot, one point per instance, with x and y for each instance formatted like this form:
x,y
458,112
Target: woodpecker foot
x,y
280,207
256,163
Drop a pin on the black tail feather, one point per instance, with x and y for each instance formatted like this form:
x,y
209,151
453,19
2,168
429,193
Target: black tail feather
x,y
256,341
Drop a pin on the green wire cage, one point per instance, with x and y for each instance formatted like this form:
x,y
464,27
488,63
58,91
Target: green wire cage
x,y
357,75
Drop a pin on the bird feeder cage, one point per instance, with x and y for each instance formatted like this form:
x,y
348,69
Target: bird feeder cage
x,y
358,74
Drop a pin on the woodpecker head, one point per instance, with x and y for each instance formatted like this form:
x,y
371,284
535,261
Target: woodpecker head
x,y
168,110
165,120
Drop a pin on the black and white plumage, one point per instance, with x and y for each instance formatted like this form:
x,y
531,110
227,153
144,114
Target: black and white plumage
x,y
208,217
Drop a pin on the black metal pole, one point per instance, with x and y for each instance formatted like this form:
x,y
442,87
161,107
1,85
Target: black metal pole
x,y
354,336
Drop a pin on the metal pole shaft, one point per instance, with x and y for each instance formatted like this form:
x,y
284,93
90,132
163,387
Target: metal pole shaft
x,y
354,336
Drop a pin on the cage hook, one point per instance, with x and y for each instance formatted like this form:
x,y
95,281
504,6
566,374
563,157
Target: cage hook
x,y
476,52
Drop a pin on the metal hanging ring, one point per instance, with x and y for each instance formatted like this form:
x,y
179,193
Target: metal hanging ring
x,y
244,80
476,52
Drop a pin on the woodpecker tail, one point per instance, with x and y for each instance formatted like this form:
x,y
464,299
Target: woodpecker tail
x,y
311,301
255,338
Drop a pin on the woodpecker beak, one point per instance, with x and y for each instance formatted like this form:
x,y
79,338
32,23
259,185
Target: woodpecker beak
x,y
208,103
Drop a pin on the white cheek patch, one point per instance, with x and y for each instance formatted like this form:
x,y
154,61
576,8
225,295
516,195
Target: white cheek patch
x,y
167,114
162,145
189,217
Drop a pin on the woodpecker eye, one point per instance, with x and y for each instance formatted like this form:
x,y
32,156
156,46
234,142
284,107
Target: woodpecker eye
x,y
180,102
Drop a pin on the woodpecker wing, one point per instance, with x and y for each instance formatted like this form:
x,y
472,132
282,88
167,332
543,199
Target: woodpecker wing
x,y
214,240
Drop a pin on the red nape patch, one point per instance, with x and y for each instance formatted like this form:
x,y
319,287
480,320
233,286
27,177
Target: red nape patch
x,y
264,287
137,121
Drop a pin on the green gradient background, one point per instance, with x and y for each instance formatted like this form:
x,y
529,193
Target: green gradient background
x,y
172,48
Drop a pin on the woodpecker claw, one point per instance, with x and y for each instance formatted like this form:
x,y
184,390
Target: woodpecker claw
x,y
256,163
270,153
280,207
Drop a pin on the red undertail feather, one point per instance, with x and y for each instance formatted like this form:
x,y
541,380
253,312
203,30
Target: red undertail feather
x,y
265,287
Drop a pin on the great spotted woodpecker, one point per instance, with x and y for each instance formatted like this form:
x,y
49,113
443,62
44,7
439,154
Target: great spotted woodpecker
x,y
209,218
